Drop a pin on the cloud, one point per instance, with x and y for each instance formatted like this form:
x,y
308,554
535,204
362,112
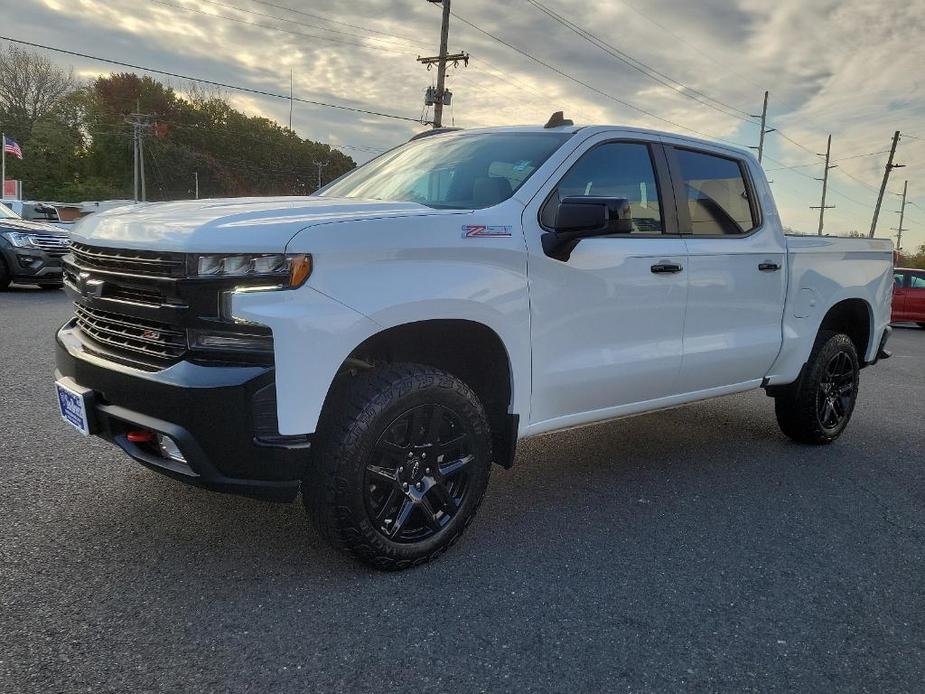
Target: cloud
x,y
852,68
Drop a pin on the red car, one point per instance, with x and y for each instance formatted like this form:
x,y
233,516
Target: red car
x,y
909,295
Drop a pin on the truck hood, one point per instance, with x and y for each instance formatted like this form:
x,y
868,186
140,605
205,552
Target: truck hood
x,y
255,225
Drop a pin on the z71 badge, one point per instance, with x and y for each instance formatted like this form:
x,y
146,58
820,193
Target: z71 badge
x,y
472,231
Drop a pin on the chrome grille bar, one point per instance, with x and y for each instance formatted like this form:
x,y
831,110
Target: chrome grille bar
x,y
132,334
123,261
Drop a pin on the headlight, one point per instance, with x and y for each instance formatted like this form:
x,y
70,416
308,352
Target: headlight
x,y
18,239
292,269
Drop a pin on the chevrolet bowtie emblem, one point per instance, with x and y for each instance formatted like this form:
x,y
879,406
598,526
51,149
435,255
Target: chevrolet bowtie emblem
x,y
89,287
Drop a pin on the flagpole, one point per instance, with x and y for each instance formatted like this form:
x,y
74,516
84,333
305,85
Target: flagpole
x,y
3,174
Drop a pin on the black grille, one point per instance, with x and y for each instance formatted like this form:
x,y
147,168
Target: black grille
x,y
137,295
55,245
147,337
150,263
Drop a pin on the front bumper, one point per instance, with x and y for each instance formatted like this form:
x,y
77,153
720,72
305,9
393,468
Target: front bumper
x,y
32,265
213,413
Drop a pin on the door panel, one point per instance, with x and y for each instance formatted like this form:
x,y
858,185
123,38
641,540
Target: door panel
x,y
606,329
736,272
915,297
732,332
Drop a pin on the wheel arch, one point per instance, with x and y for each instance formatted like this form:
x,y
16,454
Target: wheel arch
x,y
470,350
855,318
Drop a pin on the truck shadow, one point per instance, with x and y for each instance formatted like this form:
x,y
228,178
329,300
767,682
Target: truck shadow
x,y
588,484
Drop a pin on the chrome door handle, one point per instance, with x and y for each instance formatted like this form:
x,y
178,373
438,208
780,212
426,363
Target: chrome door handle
x,y
768,267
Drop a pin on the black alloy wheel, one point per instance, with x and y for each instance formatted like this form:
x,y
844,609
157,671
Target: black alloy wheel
x,y
399,465
419,475
836,392
818,406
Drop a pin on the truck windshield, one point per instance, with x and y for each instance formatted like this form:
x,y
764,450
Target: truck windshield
x,y
465,171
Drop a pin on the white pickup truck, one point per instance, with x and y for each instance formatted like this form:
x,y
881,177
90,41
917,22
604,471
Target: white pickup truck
x,y
381,343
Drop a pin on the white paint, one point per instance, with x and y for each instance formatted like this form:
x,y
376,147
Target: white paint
x,y
591,339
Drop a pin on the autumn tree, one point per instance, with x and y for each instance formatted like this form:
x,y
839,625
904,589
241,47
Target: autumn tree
x,y
31,88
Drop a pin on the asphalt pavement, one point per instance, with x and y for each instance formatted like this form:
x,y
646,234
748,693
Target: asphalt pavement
x,y
694,549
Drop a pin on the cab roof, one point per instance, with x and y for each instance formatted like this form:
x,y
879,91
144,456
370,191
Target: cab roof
x,y
589,130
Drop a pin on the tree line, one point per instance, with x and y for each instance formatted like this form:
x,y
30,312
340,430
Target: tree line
x,y
77,143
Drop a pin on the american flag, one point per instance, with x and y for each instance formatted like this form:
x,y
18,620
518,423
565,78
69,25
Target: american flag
x,y
11,147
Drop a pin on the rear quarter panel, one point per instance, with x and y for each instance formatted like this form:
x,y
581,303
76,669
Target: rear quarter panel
x,y
822,271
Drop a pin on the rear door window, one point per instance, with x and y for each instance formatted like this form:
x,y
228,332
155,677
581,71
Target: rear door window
x,y
917,281
719,198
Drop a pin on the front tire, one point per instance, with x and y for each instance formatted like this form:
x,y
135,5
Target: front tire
x,y
817,408
401,462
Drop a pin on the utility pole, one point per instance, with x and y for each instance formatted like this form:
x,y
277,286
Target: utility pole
x,y
139,123
886,177
902,213
822,207
3,173
196,183
764,129
135,160
290,99
141,166
441,96
320,165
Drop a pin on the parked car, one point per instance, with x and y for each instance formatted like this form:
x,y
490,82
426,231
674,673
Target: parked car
x,y
381,343
30,252
909,295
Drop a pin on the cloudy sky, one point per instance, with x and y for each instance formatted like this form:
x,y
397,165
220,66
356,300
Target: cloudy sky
x,y
852,68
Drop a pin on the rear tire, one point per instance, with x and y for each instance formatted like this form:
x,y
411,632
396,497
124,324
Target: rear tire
x,y
816,409
399,466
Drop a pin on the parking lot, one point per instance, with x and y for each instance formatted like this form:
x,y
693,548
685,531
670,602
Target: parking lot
x,y
695,548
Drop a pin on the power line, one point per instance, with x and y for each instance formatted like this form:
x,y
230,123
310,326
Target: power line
x,y
643,68
662,78
300,23
213,132
647,16
816,163
294,10
214,83
586,85
813,178
266,26
792,141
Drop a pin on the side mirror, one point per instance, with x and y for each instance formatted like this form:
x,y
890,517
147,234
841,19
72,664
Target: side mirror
x,y
581,217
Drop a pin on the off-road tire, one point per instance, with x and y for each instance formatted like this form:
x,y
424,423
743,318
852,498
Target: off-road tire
x,y
359,410
798,406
